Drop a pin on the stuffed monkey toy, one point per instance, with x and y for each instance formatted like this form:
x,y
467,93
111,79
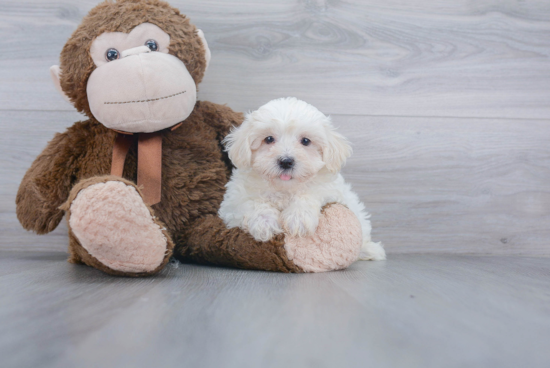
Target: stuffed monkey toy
x,y
143,177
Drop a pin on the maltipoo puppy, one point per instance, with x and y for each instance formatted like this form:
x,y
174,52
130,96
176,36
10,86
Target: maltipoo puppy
x,y
288,157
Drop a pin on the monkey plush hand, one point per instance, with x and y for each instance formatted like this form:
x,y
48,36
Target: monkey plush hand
x,y
143,177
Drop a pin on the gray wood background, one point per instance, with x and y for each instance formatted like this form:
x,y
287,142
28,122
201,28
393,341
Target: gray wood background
x,y
447,104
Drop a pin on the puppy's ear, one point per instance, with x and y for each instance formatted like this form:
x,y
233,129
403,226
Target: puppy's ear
x,y
237,144
336,150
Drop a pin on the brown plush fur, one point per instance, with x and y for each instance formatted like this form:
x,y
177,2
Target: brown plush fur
x,y
194,167
83,151
123,16
209,241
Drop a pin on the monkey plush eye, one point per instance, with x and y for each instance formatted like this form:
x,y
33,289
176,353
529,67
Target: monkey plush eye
x,y
152,45
112,54
269,140
305,141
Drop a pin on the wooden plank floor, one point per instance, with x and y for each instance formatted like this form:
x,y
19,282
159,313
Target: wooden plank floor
x,y
410,311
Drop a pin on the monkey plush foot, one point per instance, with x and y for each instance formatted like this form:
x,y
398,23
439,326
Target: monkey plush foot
x,y
334,246
116,229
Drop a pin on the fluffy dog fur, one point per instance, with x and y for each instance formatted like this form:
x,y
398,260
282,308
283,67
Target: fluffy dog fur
x,y
267,195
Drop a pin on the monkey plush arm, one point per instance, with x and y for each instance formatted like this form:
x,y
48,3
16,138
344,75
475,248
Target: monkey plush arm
x,y
46,185
335,245
209,241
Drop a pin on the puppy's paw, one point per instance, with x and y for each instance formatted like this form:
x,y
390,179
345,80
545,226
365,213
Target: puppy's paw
x,y
299,222
371,251
263,227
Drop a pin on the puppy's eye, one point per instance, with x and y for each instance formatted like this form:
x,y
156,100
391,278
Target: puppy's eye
x,y
152,45
305,141
269,140
112,54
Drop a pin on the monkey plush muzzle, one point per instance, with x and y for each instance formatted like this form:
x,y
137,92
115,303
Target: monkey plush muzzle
x,y
141,92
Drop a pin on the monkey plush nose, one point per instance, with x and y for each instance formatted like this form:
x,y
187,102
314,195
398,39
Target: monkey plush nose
x,y
135,51
286,163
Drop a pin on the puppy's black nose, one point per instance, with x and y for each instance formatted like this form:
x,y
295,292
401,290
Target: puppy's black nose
x,y
286,163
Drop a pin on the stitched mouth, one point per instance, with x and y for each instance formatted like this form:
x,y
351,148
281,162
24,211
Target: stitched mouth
x,y
149,100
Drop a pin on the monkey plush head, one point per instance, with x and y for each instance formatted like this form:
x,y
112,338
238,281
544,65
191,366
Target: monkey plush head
x,y
133,65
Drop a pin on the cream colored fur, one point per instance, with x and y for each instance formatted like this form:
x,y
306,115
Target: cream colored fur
x,y
261,200
154,91
142,91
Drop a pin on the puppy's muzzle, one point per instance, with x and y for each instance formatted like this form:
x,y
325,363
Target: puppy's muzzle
x,y
286,163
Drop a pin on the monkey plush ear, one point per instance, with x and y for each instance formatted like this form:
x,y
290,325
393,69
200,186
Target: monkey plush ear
x,y
54,73
207,53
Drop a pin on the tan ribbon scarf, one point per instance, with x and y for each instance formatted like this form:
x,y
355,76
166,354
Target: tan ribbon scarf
x,y
149,170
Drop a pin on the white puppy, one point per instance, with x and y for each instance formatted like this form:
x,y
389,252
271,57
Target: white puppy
x,y
288,157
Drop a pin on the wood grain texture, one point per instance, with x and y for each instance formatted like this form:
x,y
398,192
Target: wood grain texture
x,y
431,184
453,185
486,58
410,311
